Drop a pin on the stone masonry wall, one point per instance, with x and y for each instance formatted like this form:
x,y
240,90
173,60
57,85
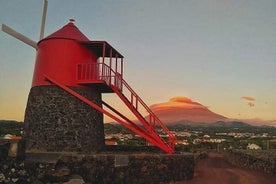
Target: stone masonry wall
x,y
57,121
102,169
264,162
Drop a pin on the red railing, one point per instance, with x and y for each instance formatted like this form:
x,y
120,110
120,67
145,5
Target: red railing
x,y
96,72
152,121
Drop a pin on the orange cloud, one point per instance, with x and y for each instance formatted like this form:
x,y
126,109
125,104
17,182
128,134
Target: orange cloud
x,y
177,102
248,98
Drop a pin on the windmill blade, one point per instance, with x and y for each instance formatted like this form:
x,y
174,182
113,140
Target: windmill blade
x,y
43,19
19,36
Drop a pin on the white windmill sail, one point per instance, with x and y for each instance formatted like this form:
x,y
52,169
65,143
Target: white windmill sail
x,y
23,38
19,36
43,19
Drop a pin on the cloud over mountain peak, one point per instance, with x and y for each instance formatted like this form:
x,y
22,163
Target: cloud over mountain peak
x,y
177,103
184,109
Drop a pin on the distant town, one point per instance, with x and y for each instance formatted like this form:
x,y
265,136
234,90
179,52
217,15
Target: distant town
x,y
220,136
189,137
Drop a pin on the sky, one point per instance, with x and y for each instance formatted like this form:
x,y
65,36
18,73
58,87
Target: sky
x,y
220,53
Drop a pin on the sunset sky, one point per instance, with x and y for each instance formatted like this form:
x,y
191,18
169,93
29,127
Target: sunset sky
x,y
219,53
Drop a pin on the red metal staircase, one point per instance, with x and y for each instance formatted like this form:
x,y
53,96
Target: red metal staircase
x,y
108,78
114,80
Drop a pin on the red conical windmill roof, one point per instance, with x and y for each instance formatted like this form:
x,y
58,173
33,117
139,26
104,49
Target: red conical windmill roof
x,y
69,31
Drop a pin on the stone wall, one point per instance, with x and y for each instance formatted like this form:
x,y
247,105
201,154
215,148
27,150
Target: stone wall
x,y
102,169
57,121
264,161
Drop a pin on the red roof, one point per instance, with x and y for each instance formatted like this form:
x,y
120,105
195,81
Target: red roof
x,y
69,31
110,143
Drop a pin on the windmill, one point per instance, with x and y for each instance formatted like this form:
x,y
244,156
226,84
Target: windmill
x,y
71,74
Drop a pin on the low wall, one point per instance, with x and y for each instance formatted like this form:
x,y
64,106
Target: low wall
x,y
98,168
264,161
200,155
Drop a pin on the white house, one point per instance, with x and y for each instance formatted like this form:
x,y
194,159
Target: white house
x,y
253,146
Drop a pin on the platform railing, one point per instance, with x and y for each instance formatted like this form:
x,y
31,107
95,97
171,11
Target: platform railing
x,y
96,72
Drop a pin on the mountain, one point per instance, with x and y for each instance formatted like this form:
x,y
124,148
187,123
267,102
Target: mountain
x,y
259,122
183,109
236,124
227,124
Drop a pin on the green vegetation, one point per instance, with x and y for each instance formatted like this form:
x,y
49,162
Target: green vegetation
x,y
10,127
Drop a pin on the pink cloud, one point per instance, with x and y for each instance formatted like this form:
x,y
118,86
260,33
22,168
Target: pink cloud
x,y
248,98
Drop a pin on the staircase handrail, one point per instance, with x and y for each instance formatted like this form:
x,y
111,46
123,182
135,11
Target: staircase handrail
x,y
150,112
107,73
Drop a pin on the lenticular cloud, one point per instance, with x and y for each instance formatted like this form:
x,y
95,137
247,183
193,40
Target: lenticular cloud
x,y
249,98
177,102
184,109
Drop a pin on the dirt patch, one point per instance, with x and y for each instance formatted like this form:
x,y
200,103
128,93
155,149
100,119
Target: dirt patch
x,y
216,169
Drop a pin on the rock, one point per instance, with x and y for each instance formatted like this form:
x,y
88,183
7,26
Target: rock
x,y
37,182
2,177
14,179
75,181
22,172
60,174
62,171
22,181
76,177
5,166
41,166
